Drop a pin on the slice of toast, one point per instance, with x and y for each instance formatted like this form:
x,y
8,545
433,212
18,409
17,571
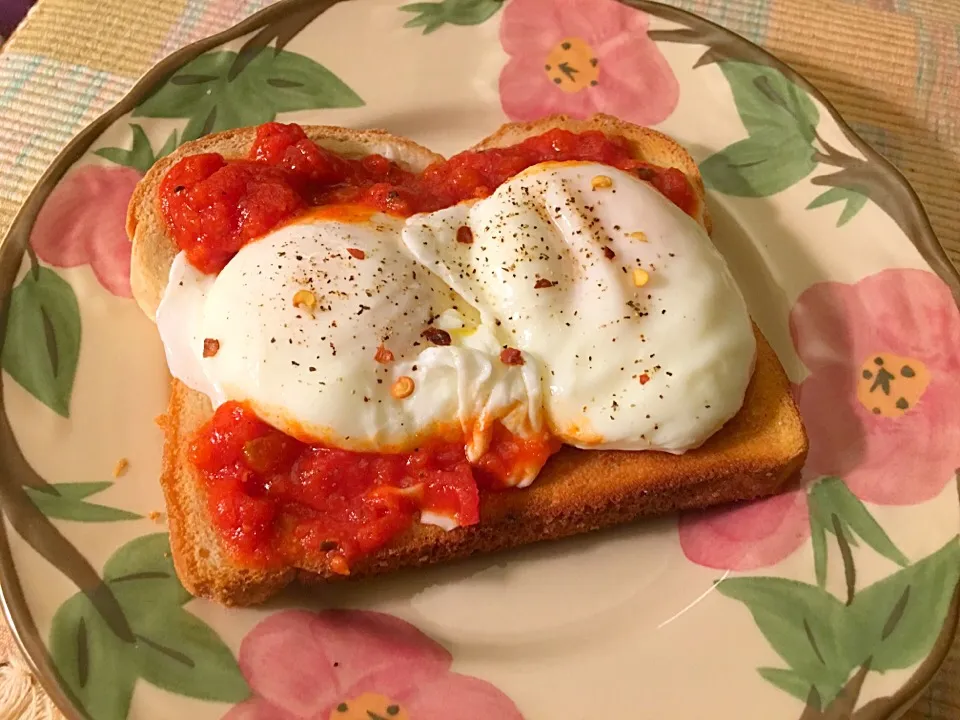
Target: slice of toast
x,y
754,455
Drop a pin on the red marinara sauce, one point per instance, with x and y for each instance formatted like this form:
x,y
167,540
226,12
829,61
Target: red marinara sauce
x,y
213,206
475,174
278,501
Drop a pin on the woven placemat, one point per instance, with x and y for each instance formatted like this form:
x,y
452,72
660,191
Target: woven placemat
x,y
892,68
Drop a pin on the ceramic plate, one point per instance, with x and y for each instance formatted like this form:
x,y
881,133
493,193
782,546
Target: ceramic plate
x,y
834,600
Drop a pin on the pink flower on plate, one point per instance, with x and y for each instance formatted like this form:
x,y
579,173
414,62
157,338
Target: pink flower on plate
x,y
83,221
881,406
748,536
356,665
578,57
882,401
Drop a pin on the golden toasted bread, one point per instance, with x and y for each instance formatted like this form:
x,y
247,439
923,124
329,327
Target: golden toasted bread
x,y
754,455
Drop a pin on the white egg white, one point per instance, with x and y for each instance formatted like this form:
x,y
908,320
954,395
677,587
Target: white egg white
x,y
654,360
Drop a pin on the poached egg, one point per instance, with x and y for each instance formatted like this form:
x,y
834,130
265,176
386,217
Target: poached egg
x,y
320,325
641,333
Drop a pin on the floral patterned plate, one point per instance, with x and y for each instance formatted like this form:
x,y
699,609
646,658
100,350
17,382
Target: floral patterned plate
x,y
834,600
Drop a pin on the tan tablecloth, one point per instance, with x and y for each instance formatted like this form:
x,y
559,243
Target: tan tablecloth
x,y
892,68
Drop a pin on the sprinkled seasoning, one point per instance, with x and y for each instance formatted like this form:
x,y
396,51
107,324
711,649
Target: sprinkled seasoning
x,y
601,182
640,277
608,252
122,464
357,253
644,379
436,336
210,347
543,283
383,356
305,300
464,235
511,356
402,388
639,235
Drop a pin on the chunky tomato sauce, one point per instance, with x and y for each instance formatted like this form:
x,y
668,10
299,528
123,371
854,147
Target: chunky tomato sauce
x,y
278,501
213,206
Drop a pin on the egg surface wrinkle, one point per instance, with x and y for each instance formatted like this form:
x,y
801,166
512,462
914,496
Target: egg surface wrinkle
x,y
642,336
335,334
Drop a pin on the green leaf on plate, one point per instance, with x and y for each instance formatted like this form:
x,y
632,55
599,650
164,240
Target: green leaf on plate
x,y
42,343
144,554
64,501
173,649
181,653
298,83
176,650
142,575
819,537
204,92
788,681
187,88
761,165
903,614
97,668
140,156
169,146
767,101
853,200
781,122
81,490
831,497
809,628
433,15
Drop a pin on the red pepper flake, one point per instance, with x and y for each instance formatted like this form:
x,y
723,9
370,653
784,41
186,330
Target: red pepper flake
x,y
210,347
436,336
383,355
338,564
543,283
608,253
357,253
644,379
464,235
403,387
511,356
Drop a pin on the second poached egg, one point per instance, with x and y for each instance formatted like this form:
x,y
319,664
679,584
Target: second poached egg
x,y
641,333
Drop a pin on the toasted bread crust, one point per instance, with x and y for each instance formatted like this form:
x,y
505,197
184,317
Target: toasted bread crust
x,y
754,455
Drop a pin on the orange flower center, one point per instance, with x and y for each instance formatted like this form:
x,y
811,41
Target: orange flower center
x,y
890,385
369,706
572,65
